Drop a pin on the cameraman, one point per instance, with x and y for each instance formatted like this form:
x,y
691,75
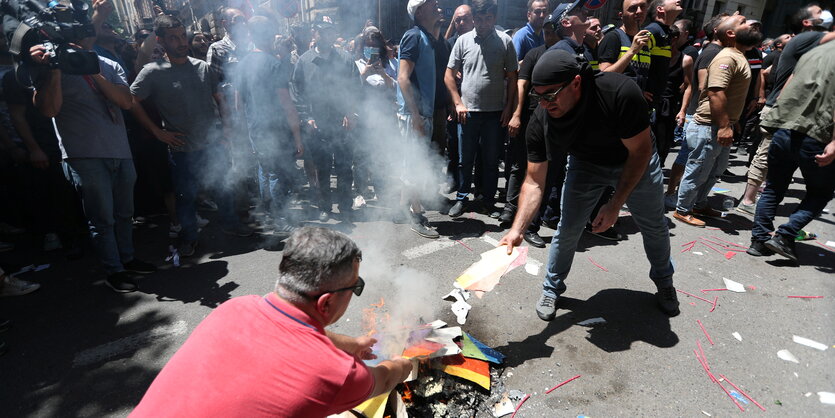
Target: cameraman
x,y
96,154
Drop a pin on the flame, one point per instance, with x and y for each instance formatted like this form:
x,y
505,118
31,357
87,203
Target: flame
x,y
407,394
369,317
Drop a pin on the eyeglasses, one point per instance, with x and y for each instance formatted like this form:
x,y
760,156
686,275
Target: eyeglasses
x,y
548,97
357,289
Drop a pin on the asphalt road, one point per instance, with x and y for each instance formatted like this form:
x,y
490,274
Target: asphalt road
x,y
78,349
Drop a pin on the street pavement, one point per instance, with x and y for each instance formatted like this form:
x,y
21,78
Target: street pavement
x,y
78,349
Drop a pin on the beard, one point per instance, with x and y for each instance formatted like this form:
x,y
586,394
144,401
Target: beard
x,y
749,37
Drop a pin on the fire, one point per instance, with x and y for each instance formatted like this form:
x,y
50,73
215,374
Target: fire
x,y
369,317
407,394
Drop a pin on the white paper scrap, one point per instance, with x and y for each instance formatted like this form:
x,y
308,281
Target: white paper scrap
x,y
437,324
827,397
532,269
504,407
809,343
591,322
461,309
698,253
788,356
733,286
830,244
737,336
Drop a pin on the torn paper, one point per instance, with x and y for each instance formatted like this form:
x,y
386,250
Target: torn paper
x,y
788,356
483,275
460,307
532,269
809,343
733,286
503,407
827,397
737,336
592,322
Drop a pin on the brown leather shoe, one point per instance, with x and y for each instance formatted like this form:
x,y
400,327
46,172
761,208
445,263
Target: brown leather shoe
x,y
689,219
707,212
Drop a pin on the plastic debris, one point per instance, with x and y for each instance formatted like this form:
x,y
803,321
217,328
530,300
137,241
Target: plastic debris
x,y
737,336
503,407
827,397
598,265
788,356
705,331
803,235
805,297
592,322
809,343
733,286
557,386
739,397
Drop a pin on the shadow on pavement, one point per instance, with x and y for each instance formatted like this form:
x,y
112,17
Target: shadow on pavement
x,y
630,316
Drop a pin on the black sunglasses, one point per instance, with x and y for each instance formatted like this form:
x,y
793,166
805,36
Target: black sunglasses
x,y
548,97
357,289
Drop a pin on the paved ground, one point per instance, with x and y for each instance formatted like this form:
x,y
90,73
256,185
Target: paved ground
x,y
78,349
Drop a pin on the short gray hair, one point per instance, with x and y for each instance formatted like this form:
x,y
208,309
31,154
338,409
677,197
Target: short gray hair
x,y
315,260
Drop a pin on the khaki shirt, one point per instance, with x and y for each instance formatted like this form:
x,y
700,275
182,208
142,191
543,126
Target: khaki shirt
x,y
807,102
730,72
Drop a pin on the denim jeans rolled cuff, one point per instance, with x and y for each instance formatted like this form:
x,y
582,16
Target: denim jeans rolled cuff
x,y
106,189
706,161
481,133
585,183
789,151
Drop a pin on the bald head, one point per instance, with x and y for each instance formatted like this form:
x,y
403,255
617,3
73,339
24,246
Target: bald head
x,y
735,31
726,29
462,19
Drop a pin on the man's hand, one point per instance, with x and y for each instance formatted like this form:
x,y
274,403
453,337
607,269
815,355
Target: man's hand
x,y
363,348
680,117
639,41
171,138
648,96
507,114
461,111
514,125
606,217
39,55
828,155
725,136
512,239
38,159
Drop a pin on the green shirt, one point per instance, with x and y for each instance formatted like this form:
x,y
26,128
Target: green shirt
x,y
807,102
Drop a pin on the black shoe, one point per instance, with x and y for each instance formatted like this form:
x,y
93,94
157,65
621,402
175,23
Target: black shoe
x,y
506,218
610,234
534,239
120,283
782,246
492,211
758,249
546,307
668,300
457,209
549,224
139,266
187,249
324,216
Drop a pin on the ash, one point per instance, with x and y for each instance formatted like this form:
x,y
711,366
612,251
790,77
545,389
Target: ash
x,y
437,394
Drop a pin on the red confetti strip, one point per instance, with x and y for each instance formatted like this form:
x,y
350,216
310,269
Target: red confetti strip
x,y
740,391
690,247
552,389
465,245
702,351
824,246
690,294
728,242
705,331
520,405
688,243
715,299
712,248
704,366
805,297
729,395
712,290
598,265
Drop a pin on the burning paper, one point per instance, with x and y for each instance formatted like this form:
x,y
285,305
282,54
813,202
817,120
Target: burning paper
x,y
483,275
476,371
733,286
503,407
809,343
788,356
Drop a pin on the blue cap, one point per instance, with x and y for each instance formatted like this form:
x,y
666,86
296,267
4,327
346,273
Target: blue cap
x,y
562,10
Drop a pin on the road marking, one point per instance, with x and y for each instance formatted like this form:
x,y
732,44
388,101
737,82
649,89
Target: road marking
x,y
428,248
127,344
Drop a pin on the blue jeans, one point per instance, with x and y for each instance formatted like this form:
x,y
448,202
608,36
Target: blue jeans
x,y
790,150
681,136
482,133
706,162
191,171
275,173
585,183
106,189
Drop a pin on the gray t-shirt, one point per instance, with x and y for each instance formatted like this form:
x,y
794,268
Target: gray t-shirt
x,y
88,125
183,95
483,63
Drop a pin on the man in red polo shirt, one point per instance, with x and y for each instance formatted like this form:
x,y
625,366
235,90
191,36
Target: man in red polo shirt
x,y
271,356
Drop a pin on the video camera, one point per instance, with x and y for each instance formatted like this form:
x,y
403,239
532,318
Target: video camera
x,y
55,27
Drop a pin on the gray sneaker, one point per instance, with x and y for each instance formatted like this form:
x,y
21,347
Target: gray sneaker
x,y
422,227
546,307
747,209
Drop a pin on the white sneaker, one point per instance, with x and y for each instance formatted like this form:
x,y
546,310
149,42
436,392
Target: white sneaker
x,y
12,286
174,230
51,242
201,222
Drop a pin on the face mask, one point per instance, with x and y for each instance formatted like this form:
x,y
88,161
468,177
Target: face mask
x,y
826,17
368,51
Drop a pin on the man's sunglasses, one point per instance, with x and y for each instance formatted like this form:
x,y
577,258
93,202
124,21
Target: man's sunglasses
x,y
357,289
548,97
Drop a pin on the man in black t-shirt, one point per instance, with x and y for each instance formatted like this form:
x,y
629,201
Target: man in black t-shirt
x,y
602,121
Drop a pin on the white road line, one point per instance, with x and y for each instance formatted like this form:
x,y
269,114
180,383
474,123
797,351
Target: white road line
x,y
127,344
428,248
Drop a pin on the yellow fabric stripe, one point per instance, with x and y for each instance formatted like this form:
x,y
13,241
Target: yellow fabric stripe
x,y
662,51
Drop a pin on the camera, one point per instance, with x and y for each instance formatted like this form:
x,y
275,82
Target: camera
x,y
54,27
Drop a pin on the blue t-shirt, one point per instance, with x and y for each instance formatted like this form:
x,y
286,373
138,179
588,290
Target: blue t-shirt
x,y
418,46
525,40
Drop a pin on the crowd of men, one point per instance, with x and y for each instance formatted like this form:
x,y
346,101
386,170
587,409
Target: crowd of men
x,y
581,114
